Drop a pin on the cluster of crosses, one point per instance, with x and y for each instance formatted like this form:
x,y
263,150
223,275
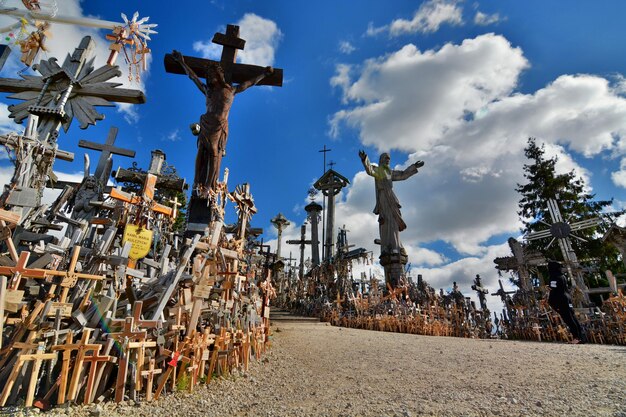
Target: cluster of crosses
x,y
120,305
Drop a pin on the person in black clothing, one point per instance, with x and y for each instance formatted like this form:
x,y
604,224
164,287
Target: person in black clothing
x,y
560,300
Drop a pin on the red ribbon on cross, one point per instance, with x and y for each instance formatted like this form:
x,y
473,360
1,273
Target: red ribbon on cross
x,y
174,360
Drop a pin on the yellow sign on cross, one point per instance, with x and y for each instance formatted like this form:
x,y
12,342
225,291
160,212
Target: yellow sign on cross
x,y
140,238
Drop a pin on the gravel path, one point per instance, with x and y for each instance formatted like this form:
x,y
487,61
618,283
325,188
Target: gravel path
x,y
314,369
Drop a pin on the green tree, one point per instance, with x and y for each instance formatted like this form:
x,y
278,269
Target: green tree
x,y
575,204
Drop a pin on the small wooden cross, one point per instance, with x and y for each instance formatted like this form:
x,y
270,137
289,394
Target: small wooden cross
x,y
20,270
25,348
141,358
124,338
177,355
149,374
339,301
94,360
71,277
38,358
82,347
147,197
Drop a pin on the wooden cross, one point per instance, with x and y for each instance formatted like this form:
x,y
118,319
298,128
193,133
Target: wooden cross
x,y
339,301
20,270
138,322
38,358
302,242
25,348
124,338
71,277
107,149
67,349
94,360
176,356
141,357
82,347
146,199
149,374
233,72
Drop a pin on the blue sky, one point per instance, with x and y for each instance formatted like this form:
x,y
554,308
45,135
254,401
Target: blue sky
x,y
458,84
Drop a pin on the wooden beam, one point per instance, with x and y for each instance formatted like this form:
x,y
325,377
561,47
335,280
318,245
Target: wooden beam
x,y
241,72
107,91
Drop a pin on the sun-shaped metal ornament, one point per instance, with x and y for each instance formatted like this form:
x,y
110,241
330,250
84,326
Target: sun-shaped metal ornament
x,y
73,90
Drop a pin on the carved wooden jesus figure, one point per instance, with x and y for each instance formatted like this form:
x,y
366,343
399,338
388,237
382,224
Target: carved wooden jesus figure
x,y
214,123
387,205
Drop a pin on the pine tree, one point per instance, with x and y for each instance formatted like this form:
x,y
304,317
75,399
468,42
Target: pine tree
x,y
575,204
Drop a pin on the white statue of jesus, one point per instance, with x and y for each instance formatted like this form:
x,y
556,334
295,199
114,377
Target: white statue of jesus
x,y
387,205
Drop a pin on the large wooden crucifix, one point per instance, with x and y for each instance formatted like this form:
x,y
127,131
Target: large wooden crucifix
x,y
223,80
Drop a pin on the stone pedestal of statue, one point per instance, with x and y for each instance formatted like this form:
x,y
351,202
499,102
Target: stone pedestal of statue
x,y
394,265
199,215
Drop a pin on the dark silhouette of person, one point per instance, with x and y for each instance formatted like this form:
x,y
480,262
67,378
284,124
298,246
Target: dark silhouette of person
x,y
561,301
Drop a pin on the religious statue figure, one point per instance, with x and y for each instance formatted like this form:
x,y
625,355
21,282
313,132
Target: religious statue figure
x,y
90,189
213,132
387,205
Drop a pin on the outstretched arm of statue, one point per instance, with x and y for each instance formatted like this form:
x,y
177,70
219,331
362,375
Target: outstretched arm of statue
x,y
411,170
366,163
178,57
254,80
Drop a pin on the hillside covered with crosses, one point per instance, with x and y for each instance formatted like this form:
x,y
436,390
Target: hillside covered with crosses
x,y
139,277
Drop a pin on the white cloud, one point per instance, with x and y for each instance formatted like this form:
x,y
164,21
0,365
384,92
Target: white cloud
x,y
173,136
429,17
374,30
483,19
341,79
429,92
346,47
458,109
262,38
619,177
